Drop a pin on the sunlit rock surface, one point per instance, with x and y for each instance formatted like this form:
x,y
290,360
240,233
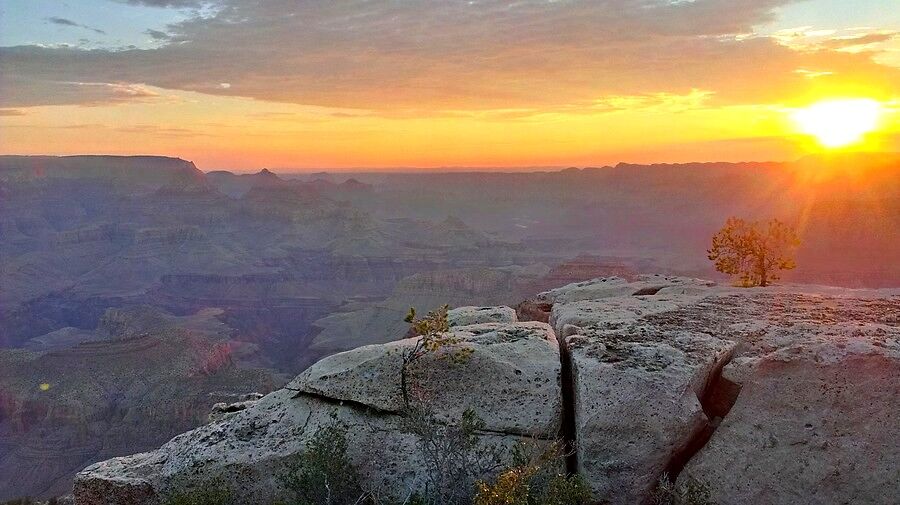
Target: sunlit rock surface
x,y
779,395
816,420
804,405
462,316
509,376
636,389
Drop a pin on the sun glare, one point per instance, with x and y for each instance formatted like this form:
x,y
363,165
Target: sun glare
x,y
838,123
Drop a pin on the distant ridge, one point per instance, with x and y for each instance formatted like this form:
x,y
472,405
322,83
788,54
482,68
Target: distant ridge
x,y
152,171
330,173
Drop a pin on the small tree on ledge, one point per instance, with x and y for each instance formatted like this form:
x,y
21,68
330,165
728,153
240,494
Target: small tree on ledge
x,y
433,332
754,251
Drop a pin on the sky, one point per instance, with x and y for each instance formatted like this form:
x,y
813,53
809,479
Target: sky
x,y
310,84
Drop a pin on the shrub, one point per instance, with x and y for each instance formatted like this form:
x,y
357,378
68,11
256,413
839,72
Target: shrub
x,y
323,474
454,454
534,479
211,494
691,492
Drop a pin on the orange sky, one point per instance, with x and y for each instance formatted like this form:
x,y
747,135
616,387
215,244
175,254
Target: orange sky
x,y
496,85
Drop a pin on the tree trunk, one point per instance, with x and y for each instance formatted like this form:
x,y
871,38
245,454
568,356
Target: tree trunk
x,y
403,389
763,274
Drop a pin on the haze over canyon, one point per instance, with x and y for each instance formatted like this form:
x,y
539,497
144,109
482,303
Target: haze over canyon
x,y
138,291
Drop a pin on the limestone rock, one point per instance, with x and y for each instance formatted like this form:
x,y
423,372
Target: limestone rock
x,y
778,395
636,389
463,316
801,408
815,421
250,450
222,410
511,372
608,287
510,379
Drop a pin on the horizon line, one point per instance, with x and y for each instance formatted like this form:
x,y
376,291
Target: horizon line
x,y
457,168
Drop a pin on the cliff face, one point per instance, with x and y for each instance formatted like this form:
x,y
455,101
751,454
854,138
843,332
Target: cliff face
x,y
778,395
143,171
81,396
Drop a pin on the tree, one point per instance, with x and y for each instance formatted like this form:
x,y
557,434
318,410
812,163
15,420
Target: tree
x,y
754,251
433,334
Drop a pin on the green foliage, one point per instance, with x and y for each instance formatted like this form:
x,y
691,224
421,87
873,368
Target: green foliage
x,y
754,251
566,490
323,474
433,333
534,479
453,454
211,494
691,492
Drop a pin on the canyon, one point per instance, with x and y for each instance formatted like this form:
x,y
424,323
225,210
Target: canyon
x,y
136,292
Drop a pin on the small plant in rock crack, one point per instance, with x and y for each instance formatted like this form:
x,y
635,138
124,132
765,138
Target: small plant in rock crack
x,y
323,474
690,492
433,333
454,455
535,477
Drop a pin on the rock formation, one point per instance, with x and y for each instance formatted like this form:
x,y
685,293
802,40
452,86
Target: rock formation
x,y
790,386
779,395
361,388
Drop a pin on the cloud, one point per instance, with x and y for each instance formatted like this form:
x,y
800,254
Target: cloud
x,y
28,93
11,112
166,3
158,35
850,39
162,131
62,21
384,55
69,22
856,42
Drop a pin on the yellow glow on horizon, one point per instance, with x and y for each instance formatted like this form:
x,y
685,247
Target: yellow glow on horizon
x,y
839,123
245,135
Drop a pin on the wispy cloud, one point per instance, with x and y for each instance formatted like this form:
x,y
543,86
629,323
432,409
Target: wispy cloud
x,y
158,35
68,22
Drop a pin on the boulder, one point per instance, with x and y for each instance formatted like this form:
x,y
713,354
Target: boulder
x,y
249,452
638,407
608,287
778,395
508,375
222,410
797,414
463,316
501,362
816,418
636,388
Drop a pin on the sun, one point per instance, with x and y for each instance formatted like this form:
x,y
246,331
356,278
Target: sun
x,y
838,123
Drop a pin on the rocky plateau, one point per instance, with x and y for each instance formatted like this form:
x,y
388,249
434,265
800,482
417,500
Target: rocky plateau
x,y
766,395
